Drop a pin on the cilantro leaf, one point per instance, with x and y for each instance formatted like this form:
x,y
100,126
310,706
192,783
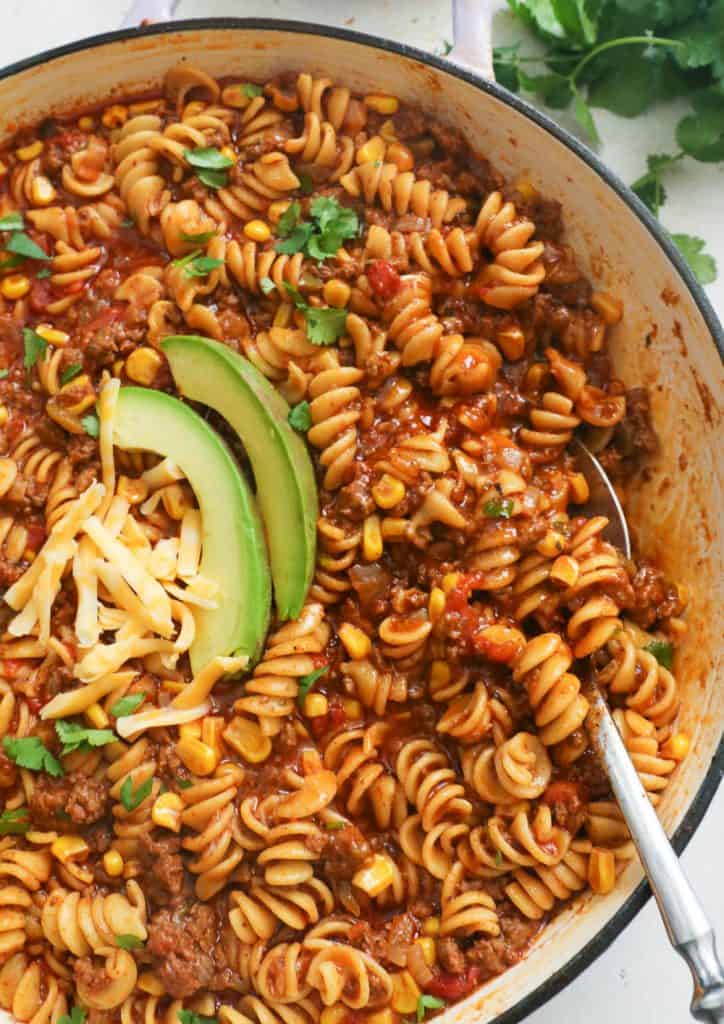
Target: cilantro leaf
x,y
4,374
70,373
251,89
321,237
649,187
76,1016
189,1017
267,285
662,651
425,1003
127,705
701,135
34,348
130,798
12,221
129,942
300,417
505,66
208,158
583,115
15,822
211,178
702,264
498,508
23,245
201,266
307,682
335,826
306,185
183,783
91,424
324,325
77,737
289,219
296,240
201,239
30,752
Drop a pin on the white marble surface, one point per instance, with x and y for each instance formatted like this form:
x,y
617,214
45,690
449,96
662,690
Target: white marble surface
x,y
639,978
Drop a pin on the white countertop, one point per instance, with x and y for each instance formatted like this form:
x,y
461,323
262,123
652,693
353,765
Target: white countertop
x,y
639,977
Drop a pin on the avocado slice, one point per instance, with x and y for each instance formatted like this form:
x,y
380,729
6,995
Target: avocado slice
x,y
233,554
211,373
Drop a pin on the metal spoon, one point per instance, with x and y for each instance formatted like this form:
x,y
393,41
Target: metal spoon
x,y
689,930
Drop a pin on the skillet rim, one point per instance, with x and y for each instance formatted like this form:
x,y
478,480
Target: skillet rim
x,y
707,790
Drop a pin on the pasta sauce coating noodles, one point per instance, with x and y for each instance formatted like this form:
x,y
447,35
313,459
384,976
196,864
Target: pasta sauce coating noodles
x,y
384,811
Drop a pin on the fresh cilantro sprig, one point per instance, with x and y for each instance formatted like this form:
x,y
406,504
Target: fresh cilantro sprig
x,y
127,705
34,348
76,1016
189,1017
330,226
498,508
15,822
91,424
132,798
76,737
662,651
307,682
324,324
195,264
425,1003
702,263
129,942
211,166
300,417
20,245
70,373
30,752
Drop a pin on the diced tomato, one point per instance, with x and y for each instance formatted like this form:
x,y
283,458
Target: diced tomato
x,y
384,280
36,536
563,792
449,986
325,725
41,294
11,667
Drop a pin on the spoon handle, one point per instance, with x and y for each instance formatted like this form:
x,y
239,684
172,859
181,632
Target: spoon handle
x,y
690,932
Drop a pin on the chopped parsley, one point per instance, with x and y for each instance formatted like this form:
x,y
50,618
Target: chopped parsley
x,y
195,264
129,941
662,651
201,239
189,1017
211,166
425,1003
130,798
91,424
306,185
324,324
15,822
12,221
22,245
76,1016
30,752
77,737
251,89
498,508
34,348
127,705
300,417
307,682
70,373
320,238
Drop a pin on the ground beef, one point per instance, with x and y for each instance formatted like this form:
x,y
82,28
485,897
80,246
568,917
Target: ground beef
x,y
654,598
450,955
162,866
355,500
587,771
90,973
80,799
181,941
8,771
343,853
635,438
494,955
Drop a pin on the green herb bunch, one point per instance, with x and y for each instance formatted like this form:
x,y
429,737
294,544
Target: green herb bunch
x,y
625,56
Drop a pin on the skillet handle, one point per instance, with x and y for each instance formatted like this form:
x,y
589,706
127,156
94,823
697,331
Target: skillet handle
x,y
149,10
473,36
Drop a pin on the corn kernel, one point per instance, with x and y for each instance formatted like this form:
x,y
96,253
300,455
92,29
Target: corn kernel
x,y
439,674
405,992
333,1014
86,123
436,603
602,871
68,848
148,982
511,342
115,115
198,757
356,643
247,739
166,811
565,570
373,149
394,529
14,286
190,729
143,364
383,1016
372,545
53,336
113,863
431,926
427,945
26,153
676,747
229,153
3,415
382,104
552,544
234,96
388,491
399,155
133,489
277,209
336,293
315,705
118,365
526,189
450,581
375,875
388,131
257,231
42,192
352,708
608,307
578,488
97,716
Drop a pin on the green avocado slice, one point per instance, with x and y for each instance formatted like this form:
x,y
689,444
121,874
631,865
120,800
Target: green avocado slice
x,y
233,554
208,372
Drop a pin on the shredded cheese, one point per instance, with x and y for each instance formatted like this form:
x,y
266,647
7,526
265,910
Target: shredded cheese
x,y
189,551
203,682
106,658
107,402
164,473
76,701
131,725
86,582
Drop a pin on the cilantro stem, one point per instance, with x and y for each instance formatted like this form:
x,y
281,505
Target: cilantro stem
x,y
623,41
